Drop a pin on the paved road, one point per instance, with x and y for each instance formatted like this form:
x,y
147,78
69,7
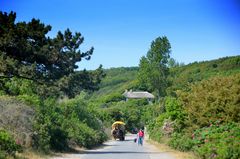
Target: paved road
x,y
121,150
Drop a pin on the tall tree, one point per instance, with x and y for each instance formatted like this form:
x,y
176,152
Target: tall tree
x,y
27,52
153,68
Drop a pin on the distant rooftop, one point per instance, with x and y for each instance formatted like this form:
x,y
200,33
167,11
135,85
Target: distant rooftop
x,y
137,94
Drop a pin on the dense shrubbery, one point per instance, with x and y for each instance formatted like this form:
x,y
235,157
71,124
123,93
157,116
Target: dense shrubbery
x,y
127,111
206,118
180,77
181,142
215,141
50,124
40,71
212,100
172,114
218,141
58,125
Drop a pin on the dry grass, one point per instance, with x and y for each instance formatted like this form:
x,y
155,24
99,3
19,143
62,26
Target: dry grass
x,y
31,155
177,154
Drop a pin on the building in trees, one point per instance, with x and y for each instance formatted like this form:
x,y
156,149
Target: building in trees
x,y
138,95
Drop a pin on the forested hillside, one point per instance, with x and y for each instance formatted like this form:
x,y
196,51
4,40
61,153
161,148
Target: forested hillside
x,y
119,79
197,71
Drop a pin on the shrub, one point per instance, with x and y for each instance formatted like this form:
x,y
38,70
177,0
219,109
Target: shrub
x,y
211,100
181,142
155,127
49,133
56,124
218,141
176,113
7,144
115,97
83,128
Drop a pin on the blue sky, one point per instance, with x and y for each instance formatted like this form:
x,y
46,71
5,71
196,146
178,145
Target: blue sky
x,y
121,31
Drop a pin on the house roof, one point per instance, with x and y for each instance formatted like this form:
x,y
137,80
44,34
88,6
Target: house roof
x,y
138,94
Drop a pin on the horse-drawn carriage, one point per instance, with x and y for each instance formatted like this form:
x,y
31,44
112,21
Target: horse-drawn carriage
x,y
118,130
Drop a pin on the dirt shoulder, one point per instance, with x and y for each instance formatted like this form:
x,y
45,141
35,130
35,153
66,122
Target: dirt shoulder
x,y
177,154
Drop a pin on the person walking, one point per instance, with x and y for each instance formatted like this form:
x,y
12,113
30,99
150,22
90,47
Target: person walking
x,y
140,136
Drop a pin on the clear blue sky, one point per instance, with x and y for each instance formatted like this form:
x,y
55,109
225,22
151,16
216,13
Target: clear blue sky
x,y
121,30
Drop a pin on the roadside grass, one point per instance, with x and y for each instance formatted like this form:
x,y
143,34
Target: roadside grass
x,y
28,154
163,147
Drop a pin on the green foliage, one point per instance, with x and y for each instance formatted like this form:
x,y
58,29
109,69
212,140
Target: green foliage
x,y
33,63
73,84
114,97
176,113
155,127
170,109
27,51
215,141
212,125
68,122
116,81
83,135
212,100
47,121
181,77
181,142
187,80
7,145
218,141
32,100
153,69
83,128
173,63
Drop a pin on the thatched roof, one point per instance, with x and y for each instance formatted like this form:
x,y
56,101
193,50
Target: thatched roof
x,y
137,94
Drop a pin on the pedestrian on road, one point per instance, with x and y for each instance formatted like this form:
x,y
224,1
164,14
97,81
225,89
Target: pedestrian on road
x,y
140,137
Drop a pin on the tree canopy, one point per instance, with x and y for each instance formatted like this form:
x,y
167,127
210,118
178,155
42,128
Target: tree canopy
x,y
27,52
153,68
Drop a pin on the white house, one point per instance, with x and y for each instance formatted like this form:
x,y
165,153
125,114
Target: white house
x,y
138,95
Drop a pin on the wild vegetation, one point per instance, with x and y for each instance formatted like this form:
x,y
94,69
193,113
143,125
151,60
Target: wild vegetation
x,y
38,76
47,105
199,113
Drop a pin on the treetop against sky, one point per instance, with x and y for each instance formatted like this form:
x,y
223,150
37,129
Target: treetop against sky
x,y
121,31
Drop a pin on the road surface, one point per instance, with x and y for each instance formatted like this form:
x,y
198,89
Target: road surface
x,y
121,150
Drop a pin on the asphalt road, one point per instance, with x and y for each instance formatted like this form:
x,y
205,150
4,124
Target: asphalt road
x,y
121,150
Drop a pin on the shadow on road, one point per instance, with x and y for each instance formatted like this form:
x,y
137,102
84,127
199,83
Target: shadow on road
x,y
121,152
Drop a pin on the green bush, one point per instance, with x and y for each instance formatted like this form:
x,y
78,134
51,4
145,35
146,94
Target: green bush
x,y
82,135
211,100
218,141
83,128
171,110
176,113
50,134
155,127
181,142
114,97
69,122
7,145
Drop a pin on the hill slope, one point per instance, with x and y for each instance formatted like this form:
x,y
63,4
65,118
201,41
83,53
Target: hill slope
x,y
119,79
